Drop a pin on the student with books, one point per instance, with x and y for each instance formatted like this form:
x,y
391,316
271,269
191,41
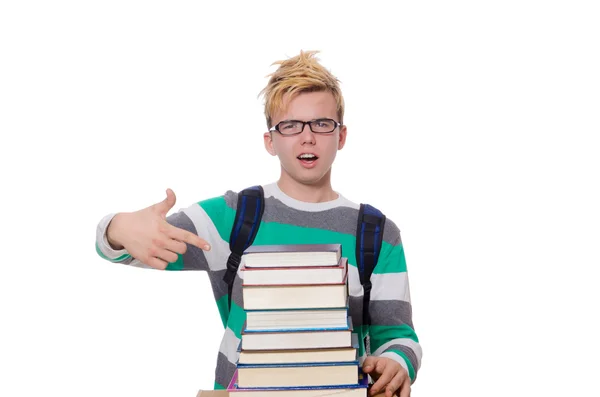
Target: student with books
x,y
304,110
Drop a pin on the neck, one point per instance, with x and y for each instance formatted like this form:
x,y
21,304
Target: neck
x,y
318,192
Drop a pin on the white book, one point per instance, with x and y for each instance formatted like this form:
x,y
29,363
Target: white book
x,y
292,255
258,297
294,275
316,374
264,320
305,339
324,355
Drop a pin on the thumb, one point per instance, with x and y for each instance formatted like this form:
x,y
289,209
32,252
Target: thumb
x,y
165,206
369,364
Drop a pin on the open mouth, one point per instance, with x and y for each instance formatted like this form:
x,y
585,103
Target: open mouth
x,y
307,157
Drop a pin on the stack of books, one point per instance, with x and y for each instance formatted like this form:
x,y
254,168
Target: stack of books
x,y
297,339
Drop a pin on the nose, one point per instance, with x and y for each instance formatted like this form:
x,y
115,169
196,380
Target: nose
x,y
307,135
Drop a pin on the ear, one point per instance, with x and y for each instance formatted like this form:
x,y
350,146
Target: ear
x,y
342,137
268,137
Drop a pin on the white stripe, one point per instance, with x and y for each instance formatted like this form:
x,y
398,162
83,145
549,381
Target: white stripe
x,y
390,286
354,287
206,229
229,346
273,190
399,359
102,241
411,344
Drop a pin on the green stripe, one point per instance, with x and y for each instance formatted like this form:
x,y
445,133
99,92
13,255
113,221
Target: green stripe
x,y
393,259
360,332
234,321
411,370
222,305
381,334
277,233
177,265
120,258
218,386
221,215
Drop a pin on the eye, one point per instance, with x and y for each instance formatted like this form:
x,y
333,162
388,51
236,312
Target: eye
x,y
324,123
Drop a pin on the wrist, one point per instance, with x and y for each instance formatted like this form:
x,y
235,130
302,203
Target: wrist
x,y
112,232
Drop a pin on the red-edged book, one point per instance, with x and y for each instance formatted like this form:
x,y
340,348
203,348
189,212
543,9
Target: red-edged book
x,y
295,275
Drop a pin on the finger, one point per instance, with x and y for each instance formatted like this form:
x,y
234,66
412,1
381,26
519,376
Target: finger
x,y
405,387
165,206
187,237
394,384
163,254
385,378
156,263
369,364
176,246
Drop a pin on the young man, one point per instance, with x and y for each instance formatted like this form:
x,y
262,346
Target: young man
x,y
304,110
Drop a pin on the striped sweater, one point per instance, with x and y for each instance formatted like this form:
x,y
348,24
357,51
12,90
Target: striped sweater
x,y
289,221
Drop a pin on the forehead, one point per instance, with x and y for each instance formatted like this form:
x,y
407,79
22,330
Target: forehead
x,y
307,106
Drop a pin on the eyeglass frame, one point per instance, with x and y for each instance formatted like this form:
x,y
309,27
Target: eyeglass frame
x,y
275,128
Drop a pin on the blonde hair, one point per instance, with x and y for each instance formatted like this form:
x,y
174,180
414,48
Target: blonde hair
x,y
302,73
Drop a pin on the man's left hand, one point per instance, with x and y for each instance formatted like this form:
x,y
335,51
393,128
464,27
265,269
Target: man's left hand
x,y
389,376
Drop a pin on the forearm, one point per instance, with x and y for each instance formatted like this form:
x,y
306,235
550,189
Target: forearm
x,y
392,333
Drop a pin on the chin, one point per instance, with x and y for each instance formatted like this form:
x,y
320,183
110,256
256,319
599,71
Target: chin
x,y
309,179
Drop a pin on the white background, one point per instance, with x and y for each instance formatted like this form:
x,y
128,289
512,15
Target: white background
x,y
473,125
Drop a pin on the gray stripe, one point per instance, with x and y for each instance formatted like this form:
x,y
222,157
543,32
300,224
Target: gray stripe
x,y
224,371
340,219
391,312
412,357
219,286
236,293
193,258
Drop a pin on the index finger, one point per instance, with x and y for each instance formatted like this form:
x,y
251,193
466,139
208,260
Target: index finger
x,y
386,376
187,237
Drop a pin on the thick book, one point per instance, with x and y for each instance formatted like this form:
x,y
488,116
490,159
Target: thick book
x,y
310,296
295,275
294,375
265,320
292,255
304,339
306,356
358,389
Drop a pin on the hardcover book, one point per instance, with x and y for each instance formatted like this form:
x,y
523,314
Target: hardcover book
x,y
358,389
292,255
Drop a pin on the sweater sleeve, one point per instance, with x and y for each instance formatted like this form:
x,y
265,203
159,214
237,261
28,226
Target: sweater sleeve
x,y
392,332
194,219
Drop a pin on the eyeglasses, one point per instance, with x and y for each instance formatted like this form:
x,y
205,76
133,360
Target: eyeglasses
x,y
294,127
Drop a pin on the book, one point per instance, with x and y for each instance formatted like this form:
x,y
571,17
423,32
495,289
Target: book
x,y
324,355
295,275
292,255
266,297
286,356
358,389
292,375
304,339
264,320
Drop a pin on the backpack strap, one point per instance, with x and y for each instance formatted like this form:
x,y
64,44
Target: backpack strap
x,y
369,237
250,208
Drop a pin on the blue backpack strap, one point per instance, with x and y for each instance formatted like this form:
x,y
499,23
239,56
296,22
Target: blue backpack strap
x,y
250,208
369,237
